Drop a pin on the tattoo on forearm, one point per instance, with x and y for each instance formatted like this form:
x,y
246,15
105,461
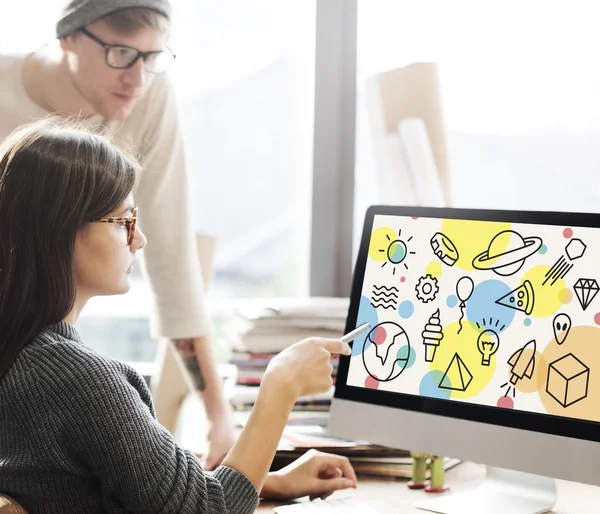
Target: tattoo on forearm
x,y
187,352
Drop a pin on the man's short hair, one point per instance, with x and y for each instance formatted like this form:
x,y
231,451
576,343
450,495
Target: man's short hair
x,y
127,21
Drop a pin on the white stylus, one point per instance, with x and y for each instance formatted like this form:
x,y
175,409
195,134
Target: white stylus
x,y
351,336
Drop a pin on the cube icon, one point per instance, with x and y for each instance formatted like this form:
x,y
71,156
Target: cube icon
x,y
568,380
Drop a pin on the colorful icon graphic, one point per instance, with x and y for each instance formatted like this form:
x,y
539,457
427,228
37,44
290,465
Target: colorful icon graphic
x,y
387,338
586,290
427,288
568,380
507,252
464,290
397,251
457,377
457,329
488,343
385,297
521,298
444,249
432,335
561,326
574,250
522,363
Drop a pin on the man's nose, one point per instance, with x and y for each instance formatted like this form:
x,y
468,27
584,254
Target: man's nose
x,y
136,76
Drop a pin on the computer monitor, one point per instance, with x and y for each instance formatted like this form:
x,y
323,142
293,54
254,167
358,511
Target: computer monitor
x,y
484,345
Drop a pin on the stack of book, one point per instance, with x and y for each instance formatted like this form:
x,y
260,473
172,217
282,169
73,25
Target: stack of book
x,y
260,330
268,327
301,435
366,459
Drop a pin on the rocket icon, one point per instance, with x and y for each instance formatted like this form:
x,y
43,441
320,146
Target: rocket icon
x,y
522,363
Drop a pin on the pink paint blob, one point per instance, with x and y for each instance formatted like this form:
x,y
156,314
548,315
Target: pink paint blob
x,y
597,318
379,336
568,233
371,383
402,279
506,402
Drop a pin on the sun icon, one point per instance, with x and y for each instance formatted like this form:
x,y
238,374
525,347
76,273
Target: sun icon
x,y
396,251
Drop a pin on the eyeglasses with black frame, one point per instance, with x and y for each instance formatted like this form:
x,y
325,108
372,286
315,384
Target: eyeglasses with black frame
x,y
123,57
129,222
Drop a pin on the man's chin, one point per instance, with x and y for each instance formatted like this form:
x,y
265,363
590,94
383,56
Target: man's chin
x,y
116,112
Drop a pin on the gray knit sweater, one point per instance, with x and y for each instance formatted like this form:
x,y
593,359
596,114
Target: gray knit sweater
x,y
78,434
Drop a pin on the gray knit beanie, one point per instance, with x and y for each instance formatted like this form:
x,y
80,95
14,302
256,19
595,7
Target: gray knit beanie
x,y
77,14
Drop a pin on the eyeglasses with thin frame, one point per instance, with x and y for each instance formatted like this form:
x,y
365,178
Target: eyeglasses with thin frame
x,y
123,57
129,222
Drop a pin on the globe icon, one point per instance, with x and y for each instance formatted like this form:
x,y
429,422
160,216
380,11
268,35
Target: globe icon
x,y
387,339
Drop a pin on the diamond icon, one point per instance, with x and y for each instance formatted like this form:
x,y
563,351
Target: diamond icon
x,y
586,290
575,249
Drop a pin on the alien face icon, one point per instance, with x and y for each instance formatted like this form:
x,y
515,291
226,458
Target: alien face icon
x,y
561,326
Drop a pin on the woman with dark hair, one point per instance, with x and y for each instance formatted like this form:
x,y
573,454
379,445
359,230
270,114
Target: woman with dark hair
x,y
78,431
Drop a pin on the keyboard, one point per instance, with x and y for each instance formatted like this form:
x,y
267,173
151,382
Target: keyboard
x,y
347,505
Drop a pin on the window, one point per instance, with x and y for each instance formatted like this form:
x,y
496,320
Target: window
x,y
520,94
245,77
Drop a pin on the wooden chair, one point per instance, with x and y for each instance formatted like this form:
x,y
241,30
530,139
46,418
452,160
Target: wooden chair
x,y
406,122
10,506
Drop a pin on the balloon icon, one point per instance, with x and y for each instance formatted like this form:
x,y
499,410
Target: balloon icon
x,y
464,290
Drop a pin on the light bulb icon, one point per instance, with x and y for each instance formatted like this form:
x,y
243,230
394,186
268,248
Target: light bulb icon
x,y
487,344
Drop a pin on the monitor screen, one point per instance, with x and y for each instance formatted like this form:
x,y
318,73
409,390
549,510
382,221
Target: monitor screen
x,y
484,315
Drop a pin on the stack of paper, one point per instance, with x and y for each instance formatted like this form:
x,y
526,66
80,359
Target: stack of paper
x,y
271,327
366,459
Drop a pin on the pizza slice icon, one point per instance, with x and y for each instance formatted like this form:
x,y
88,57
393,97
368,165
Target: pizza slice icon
x,y
521,298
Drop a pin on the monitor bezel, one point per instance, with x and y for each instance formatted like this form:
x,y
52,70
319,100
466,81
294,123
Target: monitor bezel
x,y
537,422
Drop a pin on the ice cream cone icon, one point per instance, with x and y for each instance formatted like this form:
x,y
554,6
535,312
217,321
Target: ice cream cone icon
x,y
432,335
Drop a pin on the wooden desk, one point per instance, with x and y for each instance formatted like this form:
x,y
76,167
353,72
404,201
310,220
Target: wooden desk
x,y
393,497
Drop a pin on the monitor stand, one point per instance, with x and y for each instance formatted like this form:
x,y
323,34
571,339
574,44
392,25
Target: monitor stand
x,y
502,491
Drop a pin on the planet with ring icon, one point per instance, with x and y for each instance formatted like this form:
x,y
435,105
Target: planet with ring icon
x,y
507,252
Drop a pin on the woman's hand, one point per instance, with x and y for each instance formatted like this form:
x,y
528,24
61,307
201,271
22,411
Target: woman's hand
x,y
315,474
304,368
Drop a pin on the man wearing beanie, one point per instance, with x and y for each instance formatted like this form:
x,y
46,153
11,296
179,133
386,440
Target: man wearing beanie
x,y
108,66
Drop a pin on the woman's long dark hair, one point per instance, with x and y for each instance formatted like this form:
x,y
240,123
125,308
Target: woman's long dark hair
x,y
54,178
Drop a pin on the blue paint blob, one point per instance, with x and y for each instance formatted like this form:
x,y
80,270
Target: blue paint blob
x,y
543,249
483,309
366,314
406,309
527,322
452,301
429,386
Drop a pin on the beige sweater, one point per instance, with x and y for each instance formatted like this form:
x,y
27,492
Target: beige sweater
x,y
153,133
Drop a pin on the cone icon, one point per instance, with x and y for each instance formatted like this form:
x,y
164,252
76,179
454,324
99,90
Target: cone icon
x,y
457,376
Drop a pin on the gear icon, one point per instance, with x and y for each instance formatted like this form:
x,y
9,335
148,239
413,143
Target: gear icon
x,y
427,288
